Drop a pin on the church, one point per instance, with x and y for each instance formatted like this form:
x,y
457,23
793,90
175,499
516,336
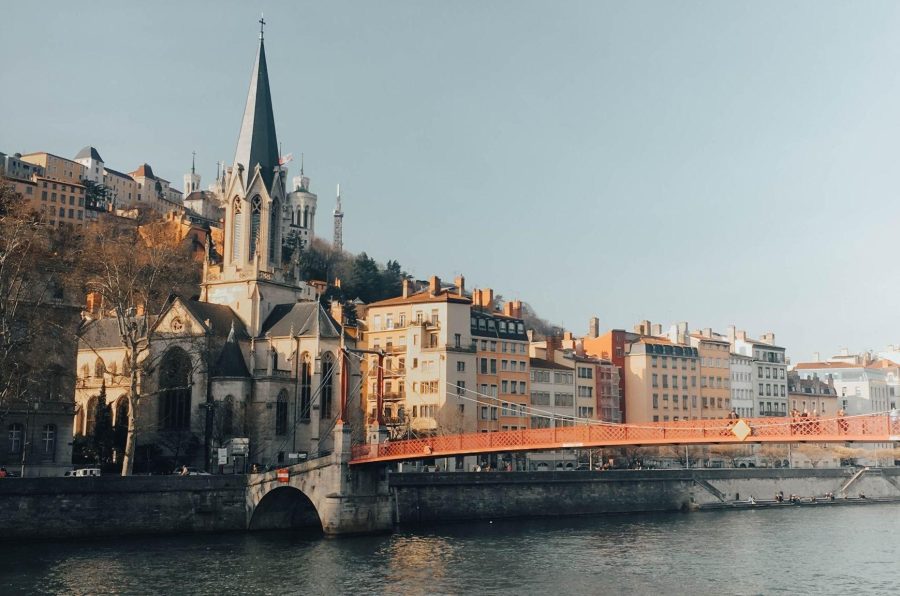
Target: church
x,y
255,365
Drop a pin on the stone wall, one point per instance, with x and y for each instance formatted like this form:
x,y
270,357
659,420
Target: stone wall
x,y
39,508
435,497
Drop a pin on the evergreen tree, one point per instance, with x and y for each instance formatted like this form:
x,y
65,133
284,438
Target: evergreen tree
x,y
104,438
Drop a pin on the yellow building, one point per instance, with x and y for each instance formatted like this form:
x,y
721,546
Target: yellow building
x,y
661,381
56,167
715,375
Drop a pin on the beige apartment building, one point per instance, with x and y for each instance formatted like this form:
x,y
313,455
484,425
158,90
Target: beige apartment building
x,y
429,363
661,380
56,167
715,374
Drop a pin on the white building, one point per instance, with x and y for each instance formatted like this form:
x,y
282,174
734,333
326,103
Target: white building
x,y
769,374
552,393
742,390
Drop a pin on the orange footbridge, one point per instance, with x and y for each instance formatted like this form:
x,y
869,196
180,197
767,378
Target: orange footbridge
x,y
874,428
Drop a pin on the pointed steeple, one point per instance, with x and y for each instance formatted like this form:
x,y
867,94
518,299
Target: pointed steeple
x,y
257,143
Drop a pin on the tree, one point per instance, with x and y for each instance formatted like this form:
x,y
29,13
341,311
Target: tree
x,y
103,439
135,271
36,326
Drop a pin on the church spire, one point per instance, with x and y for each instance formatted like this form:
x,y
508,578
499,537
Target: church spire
x,y
257,144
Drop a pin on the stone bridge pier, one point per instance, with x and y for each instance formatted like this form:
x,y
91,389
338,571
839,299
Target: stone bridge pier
x,y
325,492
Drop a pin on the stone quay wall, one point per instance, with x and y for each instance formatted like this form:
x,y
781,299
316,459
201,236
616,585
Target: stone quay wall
x,y
449,496
44,508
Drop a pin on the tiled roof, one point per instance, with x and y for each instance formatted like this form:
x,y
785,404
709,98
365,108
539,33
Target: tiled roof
x,y
541,363
89,153
101,333
231,361
220,318
423,298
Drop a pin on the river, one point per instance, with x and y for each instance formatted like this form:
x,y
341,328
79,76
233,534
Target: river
x,y
803,550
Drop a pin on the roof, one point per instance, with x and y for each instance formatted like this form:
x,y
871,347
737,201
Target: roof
x,y
144,170
117,173
257,143
541,363
814,365
718,340
423,298
231,361
89,153
300,318
218,318
98,334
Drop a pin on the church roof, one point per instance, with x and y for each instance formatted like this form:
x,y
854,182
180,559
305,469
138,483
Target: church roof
x,y
220,319
89,153
305,318
257,143
231,361
144,170
102,333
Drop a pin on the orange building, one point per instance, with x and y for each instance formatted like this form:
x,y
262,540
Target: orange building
x,y
661,381
715,374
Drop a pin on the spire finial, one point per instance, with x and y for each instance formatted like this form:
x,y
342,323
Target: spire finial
x,y
262,25
301,164
193,162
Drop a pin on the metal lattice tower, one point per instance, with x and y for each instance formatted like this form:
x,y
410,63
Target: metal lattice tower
x,y
338,223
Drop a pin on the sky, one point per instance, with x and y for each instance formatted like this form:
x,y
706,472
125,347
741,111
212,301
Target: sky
x,y
711,162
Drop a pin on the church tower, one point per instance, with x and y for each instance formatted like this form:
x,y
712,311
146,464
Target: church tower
x,y
301,218
192,180
251,277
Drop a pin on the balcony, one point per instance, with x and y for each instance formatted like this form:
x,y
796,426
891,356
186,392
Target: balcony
x,y
469,348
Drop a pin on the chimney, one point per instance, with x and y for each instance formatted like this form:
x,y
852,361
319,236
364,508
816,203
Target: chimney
x,y
741,334
461,284
476,297
815,356
768,338
406,288
845,351
434,285
337,311
567,336
731,333
507,309
642,328
656,329
707,332
517,309
487,299
594,328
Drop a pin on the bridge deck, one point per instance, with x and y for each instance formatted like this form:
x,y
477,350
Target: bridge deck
x,y
876,428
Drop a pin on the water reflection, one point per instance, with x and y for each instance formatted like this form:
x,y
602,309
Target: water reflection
x,y
823,550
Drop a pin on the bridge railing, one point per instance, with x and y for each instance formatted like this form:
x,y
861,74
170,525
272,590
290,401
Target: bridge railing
x,y
875,428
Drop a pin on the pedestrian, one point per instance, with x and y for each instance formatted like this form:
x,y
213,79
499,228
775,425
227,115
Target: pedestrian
x,y
3,473
184,471
843,425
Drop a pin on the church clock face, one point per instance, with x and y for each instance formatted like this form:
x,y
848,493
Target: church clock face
x,y
177,324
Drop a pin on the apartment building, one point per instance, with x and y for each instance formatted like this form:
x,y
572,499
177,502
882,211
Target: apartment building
x,y
770,370
742,392
56,167
503,372
429,363
661,381
715,374
552,393
813,395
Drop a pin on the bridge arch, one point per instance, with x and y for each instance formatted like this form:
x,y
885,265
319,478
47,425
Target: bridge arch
x,y
285,508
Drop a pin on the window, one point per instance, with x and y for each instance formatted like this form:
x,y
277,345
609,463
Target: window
x,y
281,413
655,400
274,236
654,361
236,230
327,388
460,366
305,386
15,438
255,214
228,416
655,380
175,394
493,366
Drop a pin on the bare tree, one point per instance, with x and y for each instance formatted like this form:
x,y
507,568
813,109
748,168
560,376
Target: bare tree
x,y
133,272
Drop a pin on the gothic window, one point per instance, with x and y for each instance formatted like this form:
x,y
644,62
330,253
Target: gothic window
x,y
255,210
126,365
91,416
228,416
98,368
274,221
327,384
48,441
306,217
15,438
236,230
85,371
175,394
305,386
281,413
79,421
121,413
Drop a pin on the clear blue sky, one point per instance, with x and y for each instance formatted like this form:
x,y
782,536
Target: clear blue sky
x,y
714,162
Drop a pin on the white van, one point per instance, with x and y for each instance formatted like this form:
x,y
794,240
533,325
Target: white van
x,y
86,472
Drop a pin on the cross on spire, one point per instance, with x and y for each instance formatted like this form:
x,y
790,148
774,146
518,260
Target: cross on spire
x,y
262,24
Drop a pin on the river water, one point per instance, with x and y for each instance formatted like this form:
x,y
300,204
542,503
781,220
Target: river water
x,y
802,550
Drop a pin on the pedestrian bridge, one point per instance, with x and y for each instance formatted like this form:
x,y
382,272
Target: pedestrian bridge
x,y
874,428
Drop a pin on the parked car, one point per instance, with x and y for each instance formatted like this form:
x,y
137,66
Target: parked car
x,y
190,472
81,472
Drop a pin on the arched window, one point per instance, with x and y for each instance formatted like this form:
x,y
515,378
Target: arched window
x,y
236,230
85,371
306,216
121,412
48,441
281,413
15,438
327,384
98,367
228,416
255,211
175,394
91,416
305,386
274,230
126,365
79,421
113,367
